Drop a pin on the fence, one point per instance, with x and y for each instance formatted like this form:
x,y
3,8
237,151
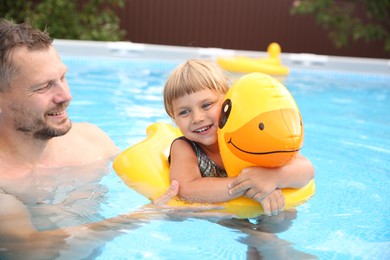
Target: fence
x,y
232,24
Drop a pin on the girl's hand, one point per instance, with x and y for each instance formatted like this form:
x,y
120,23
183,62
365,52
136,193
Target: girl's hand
x,y
274,203
256,182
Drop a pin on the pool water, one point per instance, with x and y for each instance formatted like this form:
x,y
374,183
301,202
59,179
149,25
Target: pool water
x,y
347,129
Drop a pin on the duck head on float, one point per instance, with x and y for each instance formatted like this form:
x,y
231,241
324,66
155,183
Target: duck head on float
x,y
260,124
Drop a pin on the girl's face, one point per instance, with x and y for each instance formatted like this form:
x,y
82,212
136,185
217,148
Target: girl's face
x,y
197,115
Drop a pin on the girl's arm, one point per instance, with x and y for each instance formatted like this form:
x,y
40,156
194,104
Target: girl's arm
x,y
193,187
258,182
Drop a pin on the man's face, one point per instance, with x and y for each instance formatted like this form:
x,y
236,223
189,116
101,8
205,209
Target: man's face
x,y
39,95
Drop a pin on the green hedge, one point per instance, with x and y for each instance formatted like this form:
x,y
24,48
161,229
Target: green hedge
x,y
349,19
67,19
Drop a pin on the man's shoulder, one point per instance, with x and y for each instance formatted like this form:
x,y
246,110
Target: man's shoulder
x,y
85,126
90,136
86,130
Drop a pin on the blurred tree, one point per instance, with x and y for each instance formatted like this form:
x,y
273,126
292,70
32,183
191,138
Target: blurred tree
x,y
349,19
67,19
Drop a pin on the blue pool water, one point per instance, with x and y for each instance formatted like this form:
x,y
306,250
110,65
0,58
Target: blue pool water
x,y
347,129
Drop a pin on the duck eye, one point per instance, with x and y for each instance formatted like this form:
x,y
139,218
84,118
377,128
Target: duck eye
x,y
261,126
225,112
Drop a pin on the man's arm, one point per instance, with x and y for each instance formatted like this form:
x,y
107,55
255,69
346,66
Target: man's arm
x,y
15,220
20,240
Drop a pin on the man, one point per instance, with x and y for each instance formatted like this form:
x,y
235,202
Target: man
x,y
35,129
46,162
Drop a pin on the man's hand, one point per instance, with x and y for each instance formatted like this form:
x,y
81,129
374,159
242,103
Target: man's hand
x,y
168,195
198,210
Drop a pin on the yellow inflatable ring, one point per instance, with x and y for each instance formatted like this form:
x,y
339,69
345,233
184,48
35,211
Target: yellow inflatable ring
x,y
144,167
260,125
271,65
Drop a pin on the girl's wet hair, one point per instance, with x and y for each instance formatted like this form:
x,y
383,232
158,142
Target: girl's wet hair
x,y
192,76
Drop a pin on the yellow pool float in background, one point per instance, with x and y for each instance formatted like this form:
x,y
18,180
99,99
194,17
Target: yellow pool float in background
x,y
271,65
144,167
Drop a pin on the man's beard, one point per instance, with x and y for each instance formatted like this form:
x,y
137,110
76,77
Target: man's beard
x,y
50,132
28,123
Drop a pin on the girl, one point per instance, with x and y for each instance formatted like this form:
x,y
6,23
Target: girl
x,y
193,96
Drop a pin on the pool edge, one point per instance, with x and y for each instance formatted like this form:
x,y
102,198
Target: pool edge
x,y
180,53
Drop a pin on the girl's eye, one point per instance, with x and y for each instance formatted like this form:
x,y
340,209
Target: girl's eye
x,y
184,113
206,105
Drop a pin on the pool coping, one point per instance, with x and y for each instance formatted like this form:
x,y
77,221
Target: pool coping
x,y
131,50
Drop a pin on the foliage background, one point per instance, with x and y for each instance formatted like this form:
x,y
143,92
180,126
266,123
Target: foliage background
x,y
67,19
349,20
345,21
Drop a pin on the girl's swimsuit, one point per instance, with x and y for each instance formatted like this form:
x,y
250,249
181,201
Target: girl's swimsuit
x,y
207,167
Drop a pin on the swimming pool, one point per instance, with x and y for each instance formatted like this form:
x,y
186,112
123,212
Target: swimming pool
x,y
346,136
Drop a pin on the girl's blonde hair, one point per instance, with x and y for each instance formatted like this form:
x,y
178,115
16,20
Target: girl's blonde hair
x,y
193,76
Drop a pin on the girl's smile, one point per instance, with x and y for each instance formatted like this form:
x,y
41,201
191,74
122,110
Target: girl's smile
x,y
197,115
